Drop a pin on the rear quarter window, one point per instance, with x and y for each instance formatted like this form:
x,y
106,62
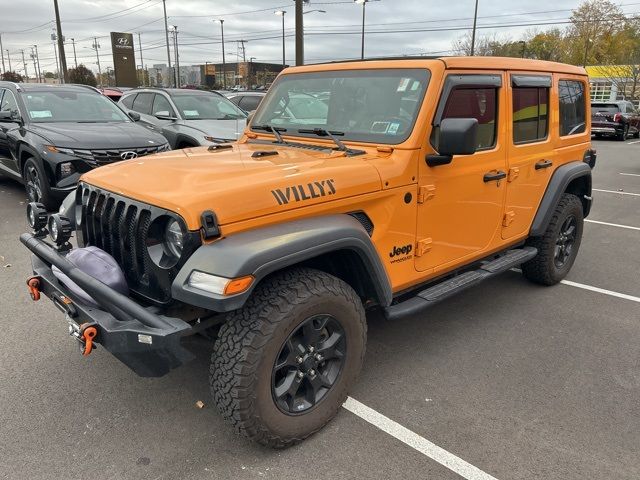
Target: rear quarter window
x,y
127,101
571,95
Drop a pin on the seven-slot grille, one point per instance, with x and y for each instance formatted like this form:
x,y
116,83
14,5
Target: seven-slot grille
x,y
119,226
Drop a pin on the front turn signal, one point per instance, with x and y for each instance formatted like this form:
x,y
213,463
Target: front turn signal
x,y
238,285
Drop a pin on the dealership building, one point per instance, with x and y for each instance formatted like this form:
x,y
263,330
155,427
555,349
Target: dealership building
x,y
610,83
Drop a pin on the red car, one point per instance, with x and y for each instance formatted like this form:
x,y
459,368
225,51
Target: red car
x,y
615,119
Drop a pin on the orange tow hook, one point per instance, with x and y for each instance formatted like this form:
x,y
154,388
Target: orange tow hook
x,y
87,334
34,288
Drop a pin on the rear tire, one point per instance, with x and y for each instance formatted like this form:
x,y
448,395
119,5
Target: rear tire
x,y
266,379
37,184
558,247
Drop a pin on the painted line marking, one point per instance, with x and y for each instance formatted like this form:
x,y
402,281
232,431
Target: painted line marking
x,y
415,441
619,193
631,143
601,290
612,224
631,174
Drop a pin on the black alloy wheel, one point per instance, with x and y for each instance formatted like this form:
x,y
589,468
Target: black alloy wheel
x,y
33,183
308,364
566,240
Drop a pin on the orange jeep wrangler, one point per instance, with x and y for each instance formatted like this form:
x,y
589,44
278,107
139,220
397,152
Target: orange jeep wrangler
x,y
389,184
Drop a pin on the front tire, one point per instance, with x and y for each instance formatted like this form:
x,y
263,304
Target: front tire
x,y
558,247
283,364
37,184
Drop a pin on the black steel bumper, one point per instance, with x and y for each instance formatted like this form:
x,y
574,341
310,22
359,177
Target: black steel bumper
x,y
140,337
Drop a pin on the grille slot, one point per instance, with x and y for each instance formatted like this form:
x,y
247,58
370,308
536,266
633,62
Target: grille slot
x,y
105,157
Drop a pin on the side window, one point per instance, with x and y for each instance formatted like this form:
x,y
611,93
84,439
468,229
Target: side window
x,y
1,92
250,102
128,101
9,102
142,103
572,107
161,104
530,118
479,103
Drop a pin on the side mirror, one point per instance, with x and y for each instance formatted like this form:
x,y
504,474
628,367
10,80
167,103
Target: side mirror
x,y
134,116
456,136
10,116
164,115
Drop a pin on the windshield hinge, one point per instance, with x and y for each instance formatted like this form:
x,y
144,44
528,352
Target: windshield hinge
x,y
426,192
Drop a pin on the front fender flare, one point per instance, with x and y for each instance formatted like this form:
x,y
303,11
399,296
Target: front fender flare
x,y
263,251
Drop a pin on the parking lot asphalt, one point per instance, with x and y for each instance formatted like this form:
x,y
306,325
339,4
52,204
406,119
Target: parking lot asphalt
x,y
518,380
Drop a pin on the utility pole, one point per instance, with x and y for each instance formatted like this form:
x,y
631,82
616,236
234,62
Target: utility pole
x,y
24,64
96,46
177,58
144,82
299,33
75,58
9,58
38,60
473,33
2,55
282,13
166,32
35,70
55,52
364,10
224,62
63,58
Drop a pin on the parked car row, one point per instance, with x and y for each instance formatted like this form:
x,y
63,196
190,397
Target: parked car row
x,y
615,119
51,134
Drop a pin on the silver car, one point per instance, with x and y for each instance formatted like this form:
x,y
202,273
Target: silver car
x,y
187,118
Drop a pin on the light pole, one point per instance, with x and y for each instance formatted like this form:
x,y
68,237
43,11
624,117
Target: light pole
x,y
299,33
364,10
75,58
96,46
166,33
224,62
473,33
2,55
9,58
177,57
282,14
144,82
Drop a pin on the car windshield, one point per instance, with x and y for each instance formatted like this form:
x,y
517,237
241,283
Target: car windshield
x,y
604,108
71,106
361,105
206,107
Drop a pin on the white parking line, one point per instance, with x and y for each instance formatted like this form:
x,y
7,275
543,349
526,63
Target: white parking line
x,y
601,290
415,441
631,174
631,143
612,224
619,193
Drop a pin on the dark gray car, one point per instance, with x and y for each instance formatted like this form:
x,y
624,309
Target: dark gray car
x,y
187,118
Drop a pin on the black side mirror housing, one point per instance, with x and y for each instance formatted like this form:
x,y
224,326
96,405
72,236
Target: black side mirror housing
x,y
10,116
134,116
456,136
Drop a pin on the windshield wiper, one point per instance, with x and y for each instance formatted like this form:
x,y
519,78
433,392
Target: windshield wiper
x,y
275,130
321,132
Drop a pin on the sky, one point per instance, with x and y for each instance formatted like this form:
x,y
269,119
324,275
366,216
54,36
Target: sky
x,y
394,27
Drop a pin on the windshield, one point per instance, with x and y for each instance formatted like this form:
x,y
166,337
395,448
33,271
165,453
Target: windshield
x,y
70,106
207,107
360,105
604,108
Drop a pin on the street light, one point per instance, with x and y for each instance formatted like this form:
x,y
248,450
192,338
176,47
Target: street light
x,y
224,63
282,14
364,7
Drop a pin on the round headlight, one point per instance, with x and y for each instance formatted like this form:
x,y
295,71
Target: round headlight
x,y
174,238
59,229
36,216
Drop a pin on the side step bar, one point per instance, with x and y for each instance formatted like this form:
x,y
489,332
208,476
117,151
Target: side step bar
x,y
447,288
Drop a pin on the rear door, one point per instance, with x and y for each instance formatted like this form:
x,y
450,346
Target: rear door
x,y
531,153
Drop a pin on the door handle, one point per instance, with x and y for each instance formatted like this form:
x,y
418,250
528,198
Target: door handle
x,y
494,176
543,164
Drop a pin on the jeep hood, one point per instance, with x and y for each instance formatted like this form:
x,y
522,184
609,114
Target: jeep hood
x,y
239,183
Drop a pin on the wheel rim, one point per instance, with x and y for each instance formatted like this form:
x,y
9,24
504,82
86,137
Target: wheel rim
x,y
566,240
309,364
34,187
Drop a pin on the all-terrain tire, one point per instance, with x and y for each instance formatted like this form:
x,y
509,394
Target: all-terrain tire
x,y
244,355
544,268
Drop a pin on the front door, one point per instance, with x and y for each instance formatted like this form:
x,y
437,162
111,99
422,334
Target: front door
x,y
8,103
460,205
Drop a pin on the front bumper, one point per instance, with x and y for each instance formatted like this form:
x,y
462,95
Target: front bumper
x,y
140,337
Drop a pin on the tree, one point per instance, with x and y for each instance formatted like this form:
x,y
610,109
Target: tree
x,y
12,77
550,45
82,75
49,75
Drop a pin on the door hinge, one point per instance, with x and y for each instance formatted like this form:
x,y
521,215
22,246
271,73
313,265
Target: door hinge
x,y
424,246
508,218
513,174
426,192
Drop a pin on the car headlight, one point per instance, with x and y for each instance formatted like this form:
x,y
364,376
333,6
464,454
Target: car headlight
x,y
53,149
174,238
